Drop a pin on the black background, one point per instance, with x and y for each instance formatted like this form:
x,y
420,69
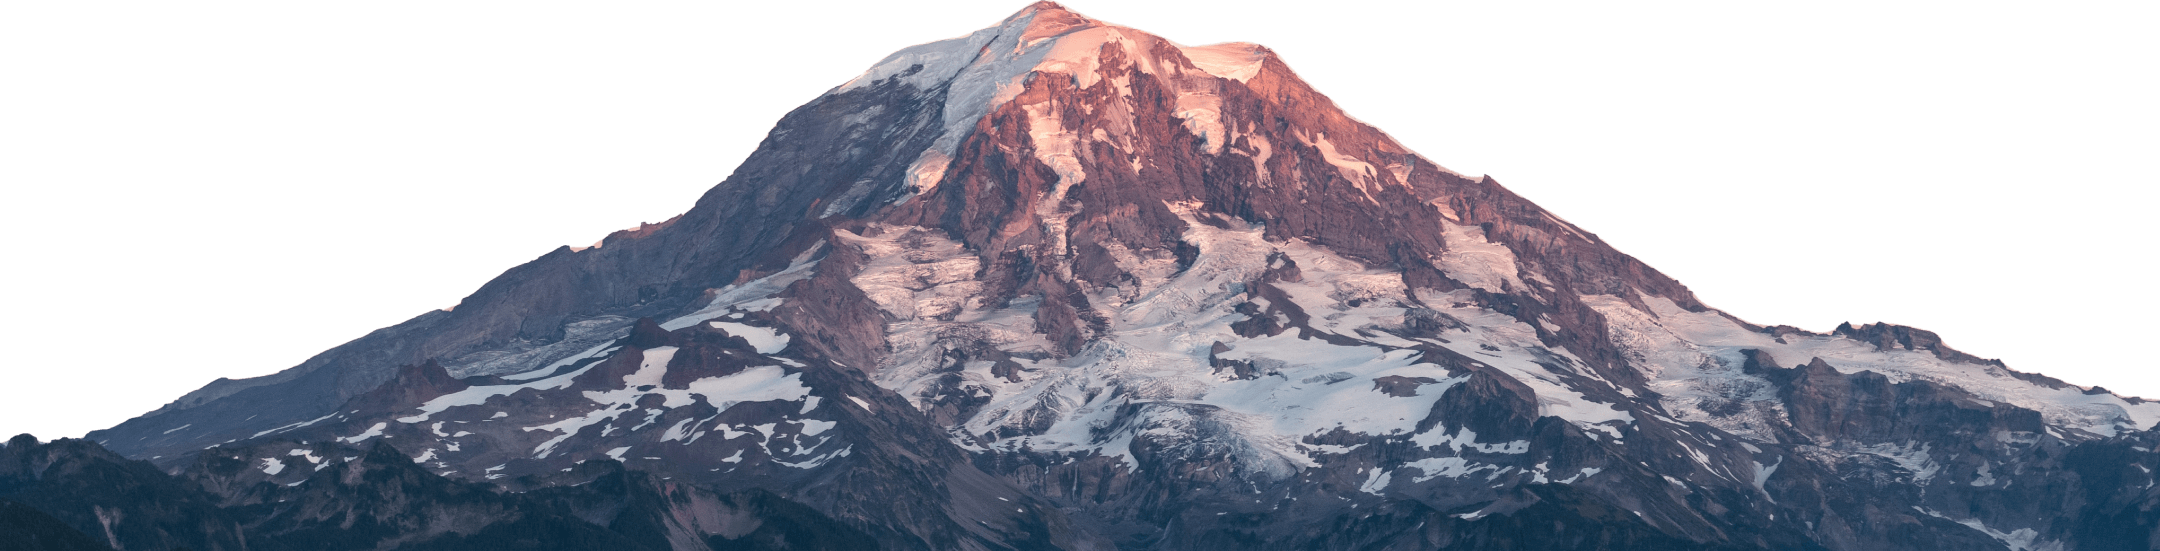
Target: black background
x,y
236,193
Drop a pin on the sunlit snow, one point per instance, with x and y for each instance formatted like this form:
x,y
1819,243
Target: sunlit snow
x,y
1693,356
765,339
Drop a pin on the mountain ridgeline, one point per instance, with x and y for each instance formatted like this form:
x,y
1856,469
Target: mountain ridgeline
x,y
1060,284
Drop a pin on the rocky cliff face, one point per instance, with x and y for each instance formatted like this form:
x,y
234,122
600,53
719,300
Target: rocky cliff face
x,y
1064,284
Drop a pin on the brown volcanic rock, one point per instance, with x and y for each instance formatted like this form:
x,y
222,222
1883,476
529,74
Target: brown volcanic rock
x,y
646,333
1064,314
609,373
836,319
1400,386
1259,322
707,352
1885,336
1489,403
1239,369
1432,324
413,384
1866,406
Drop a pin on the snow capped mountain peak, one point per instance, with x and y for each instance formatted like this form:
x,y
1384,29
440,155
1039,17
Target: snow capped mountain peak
x,y
979,72
1078,269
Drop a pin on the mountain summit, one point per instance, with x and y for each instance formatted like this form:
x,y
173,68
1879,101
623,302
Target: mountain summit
x,y
1061,284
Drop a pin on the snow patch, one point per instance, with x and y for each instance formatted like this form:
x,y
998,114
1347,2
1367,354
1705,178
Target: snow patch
x,y
678,432
372,432
1762,473
652,367
813,427
1473,259
1587,472
818,461
473,396
1358,172
754,295
1451,467
602,348
1914,457
756,384
1376,481
295,425
1985,478
766,340
927,170
1466,438
2022,539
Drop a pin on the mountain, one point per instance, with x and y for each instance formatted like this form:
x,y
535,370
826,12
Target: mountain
x,y
1060,284
631,113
